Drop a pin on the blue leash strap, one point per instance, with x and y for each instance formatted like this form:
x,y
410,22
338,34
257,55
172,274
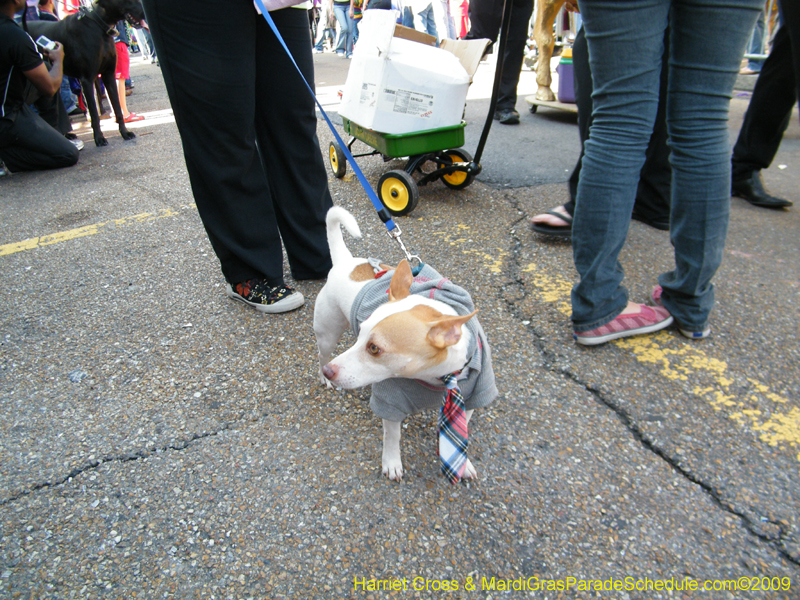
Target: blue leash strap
x,y
384,215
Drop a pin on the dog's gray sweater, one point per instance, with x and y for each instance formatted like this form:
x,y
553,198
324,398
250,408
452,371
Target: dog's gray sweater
x,y
395,399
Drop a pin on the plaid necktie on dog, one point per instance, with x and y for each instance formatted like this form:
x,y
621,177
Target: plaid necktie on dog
x,y
453,431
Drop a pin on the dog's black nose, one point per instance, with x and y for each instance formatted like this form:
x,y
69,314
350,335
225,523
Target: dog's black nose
x,y
330,371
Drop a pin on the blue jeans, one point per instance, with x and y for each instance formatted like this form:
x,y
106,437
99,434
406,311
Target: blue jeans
x,y
756,45
342,12
424,21
70,99
408,17
626,43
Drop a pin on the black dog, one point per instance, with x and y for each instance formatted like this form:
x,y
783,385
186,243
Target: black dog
x,y
88,40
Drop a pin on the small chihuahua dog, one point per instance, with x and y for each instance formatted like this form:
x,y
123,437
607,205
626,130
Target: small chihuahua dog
x,y
412,329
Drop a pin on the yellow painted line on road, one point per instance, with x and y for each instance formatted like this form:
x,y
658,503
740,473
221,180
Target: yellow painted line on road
x,y
492,262
79,232
779,428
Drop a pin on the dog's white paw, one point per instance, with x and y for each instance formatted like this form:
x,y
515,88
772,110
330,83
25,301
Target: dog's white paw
x,y
469,471
393,469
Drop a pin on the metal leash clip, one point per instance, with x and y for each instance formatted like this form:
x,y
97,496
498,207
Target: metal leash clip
x,y
395,234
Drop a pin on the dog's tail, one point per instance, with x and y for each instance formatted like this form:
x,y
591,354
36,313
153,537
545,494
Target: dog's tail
x,y
338,216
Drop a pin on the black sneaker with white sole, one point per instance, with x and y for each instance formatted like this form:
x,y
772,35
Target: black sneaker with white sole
x,y
507,116
265,298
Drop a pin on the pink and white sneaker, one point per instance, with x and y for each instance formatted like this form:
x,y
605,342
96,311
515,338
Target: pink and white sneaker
x,y
647,320
692,335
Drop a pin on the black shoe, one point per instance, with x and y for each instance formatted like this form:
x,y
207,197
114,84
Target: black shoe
x,y
661,223
752,190
507,116
258,294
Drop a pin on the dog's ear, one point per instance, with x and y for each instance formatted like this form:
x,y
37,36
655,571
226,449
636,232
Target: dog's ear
x,y
446,331
400,287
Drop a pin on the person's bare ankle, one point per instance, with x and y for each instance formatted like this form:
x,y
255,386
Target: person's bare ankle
x,y
631,309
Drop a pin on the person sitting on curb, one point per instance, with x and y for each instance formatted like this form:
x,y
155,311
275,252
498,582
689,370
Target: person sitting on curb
x,y
27,142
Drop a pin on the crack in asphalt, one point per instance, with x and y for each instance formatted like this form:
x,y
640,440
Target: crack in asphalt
x,y
550,362
123,458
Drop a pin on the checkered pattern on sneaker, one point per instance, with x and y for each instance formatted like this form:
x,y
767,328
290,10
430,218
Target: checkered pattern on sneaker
x,y
265,298
693,335
647,320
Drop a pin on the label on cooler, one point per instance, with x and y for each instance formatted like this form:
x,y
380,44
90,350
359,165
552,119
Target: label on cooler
x,y
367,96
406,102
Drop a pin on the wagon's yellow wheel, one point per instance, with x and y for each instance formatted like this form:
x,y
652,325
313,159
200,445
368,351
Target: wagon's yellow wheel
x,y
398,192
338,160
456,180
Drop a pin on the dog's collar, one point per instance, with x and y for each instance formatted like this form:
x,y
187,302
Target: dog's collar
x,y
93,16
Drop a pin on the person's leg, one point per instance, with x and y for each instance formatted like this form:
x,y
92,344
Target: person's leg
x,y
67,97
652,197
552,224
323,20
653,193
408,17
52,110
138,34
442,19
768,113
122,73
790,13
30,144
151,45
521,11
217,127
582,82
123,103
286,127
345,45
703,70
423,21
755,45
485,17
626,44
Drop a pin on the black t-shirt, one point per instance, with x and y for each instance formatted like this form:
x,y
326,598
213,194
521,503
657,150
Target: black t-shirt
x,y
18,53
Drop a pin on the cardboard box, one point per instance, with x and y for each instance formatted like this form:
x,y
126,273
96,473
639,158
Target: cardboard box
x,y
399,83
401,31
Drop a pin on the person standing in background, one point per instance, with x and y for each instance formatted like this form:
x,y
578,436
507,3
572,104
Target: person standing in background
x,y
250,142
485,17
626,46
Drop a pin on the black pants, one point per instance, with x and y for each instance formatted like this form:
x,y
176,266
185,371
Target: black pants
x,y
774,97
655,179
53,111
485,19
30,144
248,126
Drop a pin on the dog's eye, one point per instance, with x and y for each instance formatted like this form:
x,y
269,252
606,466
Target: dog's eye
x,y
374,349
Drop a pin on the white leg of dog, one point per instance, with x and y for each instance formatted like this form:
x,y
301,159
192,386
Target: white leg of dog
x,y
469,470
329,326
391,462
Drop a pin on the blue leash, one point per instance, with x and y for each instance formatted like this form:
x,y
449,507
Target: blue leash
x,y
383,213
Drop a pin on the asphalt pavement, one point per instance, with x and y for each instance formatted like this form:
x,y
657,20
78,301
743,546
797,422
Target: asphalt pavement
x,y
161,441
